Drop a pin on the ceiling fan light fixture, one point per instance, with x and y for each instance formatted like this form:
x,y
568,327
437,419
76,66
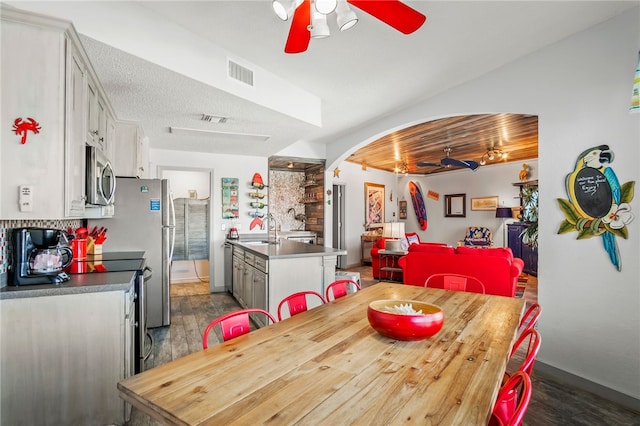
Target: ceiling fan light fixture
x,y
346,18
493,154
319,27
325,7
284,8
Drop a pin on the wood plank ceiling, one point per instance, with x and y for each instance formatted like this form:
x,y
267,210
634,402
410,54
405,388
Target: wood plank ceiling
x,y
470,137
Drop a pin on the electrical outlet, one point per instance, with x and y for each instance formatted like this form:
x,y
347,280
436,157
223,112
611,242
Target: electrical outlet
x,y
223,227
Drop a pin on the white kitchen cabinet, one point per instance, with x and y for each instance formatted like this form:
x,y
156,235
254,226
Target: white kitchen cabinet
x,y
75,159
96,118
128,157
51,162
62,357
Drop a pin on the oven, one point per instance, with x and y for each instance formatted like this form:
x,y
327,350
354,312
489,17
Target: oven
x,y
141,339
142,348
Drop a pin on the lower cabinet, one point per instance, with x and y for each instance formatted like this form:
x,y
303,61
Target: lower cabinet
x,y
250,280
525,252
62,357
261,282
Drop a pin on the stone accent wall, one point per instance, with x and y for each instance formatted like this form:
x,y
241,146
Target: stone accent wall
x,y
285,192
304,193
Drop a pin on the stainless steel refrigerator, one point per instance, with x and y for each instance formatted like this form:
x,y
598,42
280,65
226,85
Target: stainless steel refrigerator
x,y
144,219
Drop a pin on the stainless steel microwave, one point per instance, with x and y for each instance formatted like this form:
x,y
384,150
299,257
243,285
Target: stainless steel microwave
x,y
101,181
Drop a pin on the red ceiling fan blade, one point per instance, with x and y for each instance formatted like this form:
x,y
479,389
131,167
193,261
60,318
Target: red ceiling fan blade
x,y
299,35
392,12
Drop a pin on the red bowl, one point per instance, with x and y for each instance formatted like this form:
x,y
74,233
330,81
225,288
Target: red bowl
x,y
405,326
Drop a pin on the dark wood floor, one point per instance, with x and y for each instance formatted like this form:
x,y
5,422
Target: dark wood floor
x,y
552,404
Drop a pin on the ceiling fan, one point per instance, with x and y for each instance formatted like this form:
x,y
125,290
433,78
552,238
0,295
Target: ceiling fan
x,y
309,18
450,162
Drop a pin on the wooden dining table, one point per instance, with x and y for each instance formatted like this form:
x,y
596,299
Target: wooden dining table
x,y
328,366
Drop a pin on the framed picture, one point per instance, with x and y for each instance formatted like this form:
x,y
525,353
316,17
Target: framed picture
x,y
230,204
484,203
373,205
455,205
402,209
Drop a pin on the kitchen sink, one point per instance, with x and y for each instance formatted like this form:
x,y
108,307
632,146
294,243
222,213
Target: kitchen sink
x,y
258,243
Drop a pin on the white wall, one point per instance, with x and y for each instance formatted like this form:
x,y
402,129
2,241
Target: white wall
x,y
581,89
183,181
241,167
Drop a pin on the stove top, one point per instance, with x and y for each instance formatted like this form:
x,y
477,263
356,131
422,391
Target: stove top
x,y
115,255
100,266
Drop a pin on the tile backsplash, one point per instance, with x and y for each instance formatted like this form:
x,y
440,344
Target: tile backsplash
x,y
5,229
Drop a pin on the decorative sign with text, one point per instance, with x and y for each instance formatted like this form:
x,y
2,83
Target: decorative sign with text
x,y
598,205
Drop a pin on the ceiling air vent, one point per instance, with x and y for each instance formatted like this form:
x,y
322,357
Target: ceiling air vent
x,y
213,118
240,73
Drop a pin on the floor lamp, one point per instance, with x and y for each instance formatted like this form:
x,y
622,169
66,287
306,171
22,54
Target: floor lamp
x,y
503,213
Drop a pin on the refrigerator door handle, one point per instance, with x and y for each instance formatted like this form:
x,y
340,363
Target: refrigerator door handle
x,y
172,226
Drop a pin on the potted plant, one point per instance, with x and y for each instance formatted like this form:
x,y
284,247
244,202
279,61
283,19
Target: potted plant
x,y
530,215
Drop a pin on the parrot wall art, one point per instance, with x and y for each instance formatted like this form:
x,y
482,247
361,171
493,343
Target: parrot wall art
x,y
598,205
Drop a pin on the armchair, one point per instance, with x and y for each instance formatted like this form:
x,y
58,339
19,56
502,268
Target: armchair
x,y
478,236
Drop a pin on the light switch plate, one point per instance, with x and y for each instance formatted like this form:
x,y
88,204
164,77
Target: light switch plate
x,y
25,200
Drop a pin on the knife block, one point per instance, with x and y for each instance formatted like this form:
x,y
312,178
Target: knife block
x,y
92,247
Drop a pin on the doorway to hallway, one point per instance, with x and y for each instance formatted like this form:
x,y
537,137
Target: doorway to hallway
x,y
191,265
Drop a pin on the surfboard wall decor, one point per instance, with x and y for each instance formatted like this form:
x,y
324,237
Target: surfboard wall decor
x,y
418,204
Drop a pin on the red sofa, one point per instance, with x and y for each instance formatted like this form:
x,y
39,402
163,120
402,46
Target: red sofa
x,y
496,268
412,239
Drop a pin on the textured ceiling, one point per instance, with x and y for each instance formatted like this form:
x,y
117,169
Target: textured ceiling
x,y
359,75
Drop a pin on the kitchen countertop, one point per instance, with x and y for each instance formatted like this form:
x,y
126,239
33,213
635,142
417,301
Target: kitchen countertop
x,y
80,283
287,249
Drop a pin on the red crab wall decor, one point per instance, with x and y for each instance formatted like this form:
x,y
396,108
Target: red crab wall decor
x,y
22,127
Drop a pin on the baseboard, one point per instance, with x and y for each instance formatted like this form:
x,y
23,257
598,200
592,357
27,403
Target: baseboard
x,y
565,377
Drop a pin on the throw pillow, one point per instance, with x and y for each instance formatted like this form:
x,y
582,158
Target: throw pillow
x,y
413,238
404,243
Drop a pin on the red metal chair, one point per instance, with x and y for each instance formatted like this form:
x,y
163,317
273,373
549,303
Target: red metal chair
x,y
530,319
513,401
340,288
233,324
297,302
455,282
533,346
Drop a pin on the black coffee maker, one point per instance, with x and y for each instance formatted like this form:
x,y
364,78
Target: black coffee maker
x,y
38,257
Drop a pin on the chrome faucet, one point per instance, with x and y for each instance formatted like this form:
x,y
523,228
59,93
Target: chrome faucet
x,y
275,228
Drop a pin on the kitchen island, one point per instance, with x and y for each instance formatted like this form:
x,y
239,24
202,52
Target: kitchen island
x,y
64,349
264,273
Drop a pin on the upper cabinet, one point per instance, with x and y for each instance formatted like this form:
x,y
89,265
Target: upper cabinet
x,y
97,119
52,106
130,150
